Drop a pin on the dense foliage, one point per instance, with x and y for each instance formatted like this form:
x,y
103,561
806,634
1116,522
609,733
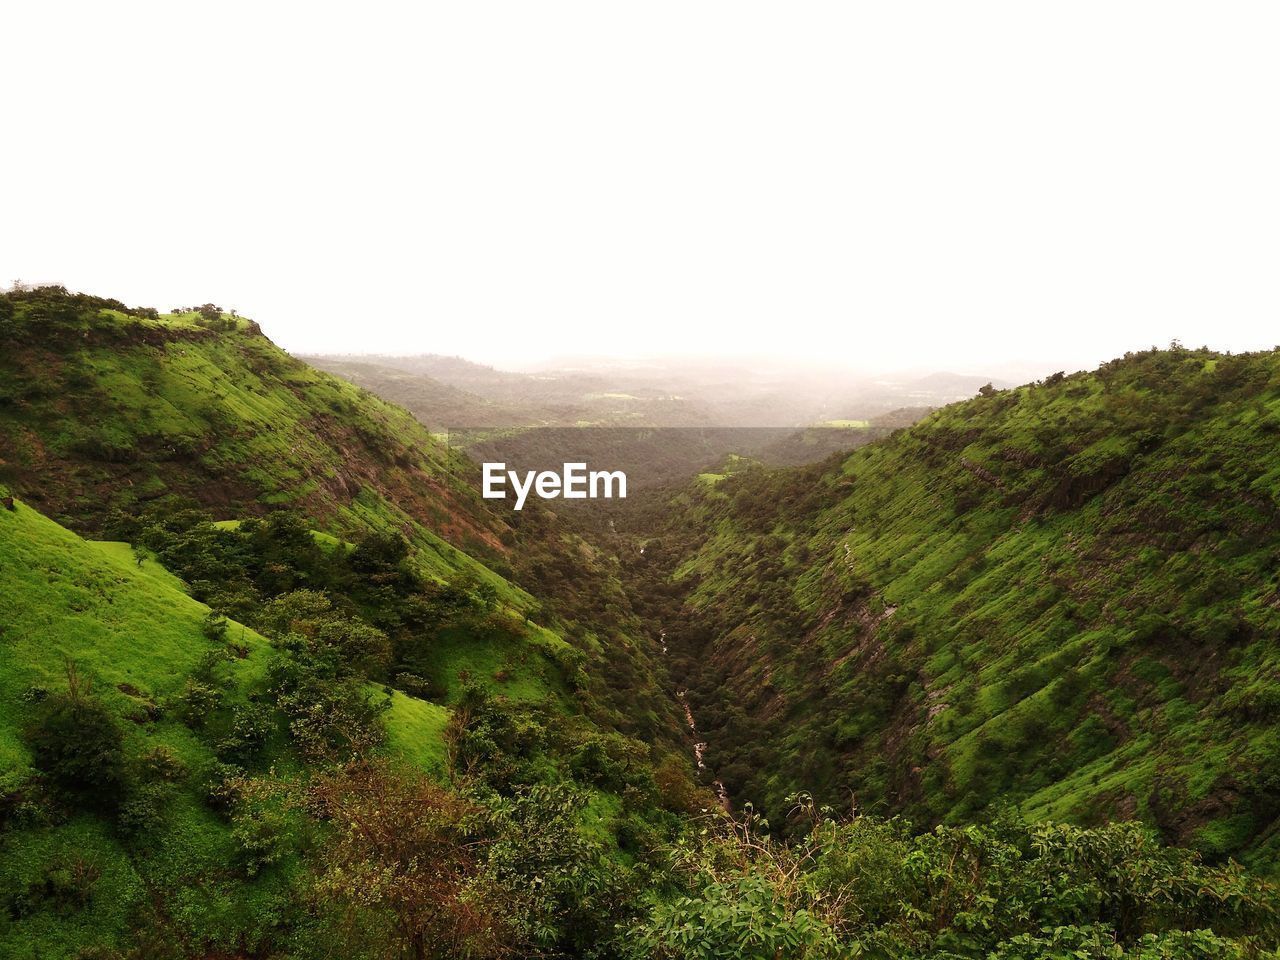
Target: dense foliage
x,y
864,887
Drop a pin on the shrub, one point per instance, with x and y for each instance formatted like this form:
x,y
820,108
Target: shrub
x,y
251,726
215,627
162,764
262,837
210,316
66,885
401,843
224,786
416,686
329,718
1008,889
79,747
198,701
143,808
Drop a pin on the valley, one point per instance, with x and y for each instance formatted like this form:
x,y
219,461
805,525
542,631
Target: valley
x,y
929,669
660,421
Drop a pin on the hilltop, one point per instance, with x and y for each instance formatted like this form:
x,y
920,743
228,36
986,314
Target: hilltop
x,y
103,408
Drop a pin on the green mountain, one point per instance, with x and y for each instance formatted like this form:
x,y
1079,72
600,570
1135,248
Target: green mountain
x,y
104,408
275,682
362,605
1062,596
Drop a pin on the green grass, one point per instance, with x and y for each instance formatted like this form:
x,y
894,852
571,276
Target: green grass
x,y
415,731
63,599
119,890
123,553
493,660
66,599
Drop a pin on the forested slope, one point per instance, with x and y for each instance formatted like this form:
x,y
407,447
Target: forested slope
x,y
1062,595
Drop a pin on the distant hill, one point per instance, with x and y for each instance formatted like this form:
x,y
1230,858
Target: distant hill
x,y
660,421
440,406
504,399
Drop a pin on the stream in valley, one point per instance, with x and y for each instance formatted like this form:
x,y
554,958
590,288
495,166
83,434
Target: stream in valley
x,y
699,745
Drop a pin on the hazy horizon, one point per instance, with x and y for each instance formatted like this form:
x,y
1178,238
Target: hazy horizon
x,y
1012,371
939,187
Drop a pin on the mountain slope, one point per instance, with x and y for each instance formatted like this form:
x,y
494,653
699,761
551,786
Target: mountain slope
x,y
126,632
153,755
102,408
127,625
106,410
1062,595
135,639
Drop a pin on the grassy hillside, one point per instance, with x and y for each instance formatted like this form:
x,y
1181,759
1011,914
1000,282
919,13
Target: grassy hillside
x,y
106,411
190,826
1062,595
64,599
65,603
103,409
165,775
92,618
131,629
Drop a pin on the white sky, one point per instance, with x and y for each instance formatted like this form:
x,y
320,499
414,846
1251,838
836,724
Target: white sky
x,y
894,184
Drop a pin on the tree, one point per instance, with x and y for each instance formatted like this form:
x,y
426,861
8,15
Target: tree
x,y
78,745
401,846
378,552
329,717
